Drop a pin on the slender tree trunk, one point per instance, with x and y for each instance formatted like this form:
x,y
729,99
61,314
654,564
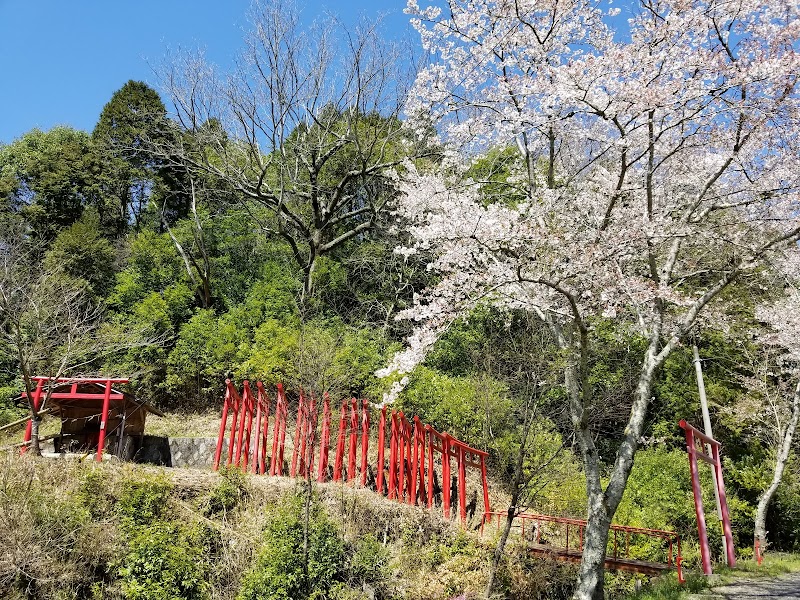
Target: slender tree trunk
x,y
500,549
591,577
760,533
512,509
35,448
35,411
308,279
306,531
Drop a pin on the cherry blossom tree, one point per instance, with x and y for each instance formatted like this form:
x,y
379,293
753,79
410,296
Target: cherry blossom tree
x,y
656,168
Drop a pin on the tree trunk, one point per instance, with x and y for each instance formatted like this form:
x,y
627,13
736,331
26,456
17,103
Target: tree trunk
x,y
34,447
501,546
603,504
591,577
308,279
516,490
760,533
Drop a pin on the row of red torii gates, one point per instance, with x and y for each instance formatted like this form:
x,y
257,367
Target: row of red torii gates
x,y
413,471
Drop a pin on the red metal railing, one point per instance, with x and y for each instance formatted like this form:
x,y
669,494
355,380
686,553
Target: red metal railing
x,y
619,536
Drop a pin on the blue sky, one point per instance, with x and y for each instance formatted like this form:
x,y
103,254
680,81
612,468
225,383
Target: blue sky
x,y
61,60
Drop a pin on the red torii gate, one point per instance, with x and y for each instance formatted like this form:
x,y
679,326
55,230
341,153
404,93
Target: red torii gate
x,y
412,447
692,437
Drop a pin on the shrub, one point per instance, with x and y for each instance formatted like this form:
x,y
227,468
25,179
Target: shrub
x,y
369,561
229,491
164,562
143,500
92,493
279,572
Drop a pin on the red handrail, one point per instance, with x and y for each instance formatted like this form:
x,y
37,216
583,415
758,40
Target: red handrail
x,y
671,537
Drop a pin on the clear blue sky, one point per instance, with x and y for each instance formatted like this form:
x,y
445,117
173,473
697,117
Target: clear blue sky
x,y
61,60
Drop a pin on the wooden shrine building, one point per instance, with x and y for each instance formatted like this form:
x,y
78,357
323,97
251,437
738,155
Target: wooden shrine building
x,y
96,417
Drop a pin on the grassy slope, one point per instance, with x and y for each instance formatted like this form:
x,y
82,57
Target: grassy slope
x,y
431,559
62,535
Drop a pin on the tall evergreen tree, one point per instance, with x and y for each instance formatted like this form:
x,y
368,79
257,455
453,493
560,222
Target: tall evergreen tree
x,y
134,118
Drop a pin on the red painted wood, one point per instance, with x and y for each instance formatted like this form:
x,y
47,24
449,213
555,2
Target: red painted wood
x,y
485,484
298,435
237,405
705,553
723,502
264,400
257,444
311,433
226,405
462,486
240,431
337,465
326,438
351,455
393,457
415,459
101,440
364,440
284,413
446,475
247,399
381,451
401,457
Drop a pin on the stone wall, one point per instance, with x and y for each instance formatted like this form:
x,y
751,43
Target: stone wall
x,y
179,452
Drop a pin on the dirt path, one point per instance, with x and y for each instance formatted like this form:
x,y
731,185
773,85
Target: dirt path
x,y
785,586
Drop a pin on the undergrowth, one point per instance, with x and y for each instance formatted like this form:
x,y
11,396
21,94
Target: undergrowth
x,y
79,531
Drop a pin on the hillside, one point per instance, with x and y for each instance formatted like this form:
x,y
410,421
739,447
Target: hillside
x,y
73,530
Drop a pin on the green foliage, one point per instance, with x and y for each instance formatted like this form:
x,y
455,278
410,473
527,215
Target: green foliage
x,y
783,516
495,171
153,265
274,352
667,587
134,118
50,176
228,492
369,561
143,500
467,407
79,251
279,572
319,355
92,494
8,410
659,496
675,389
206,349
164,562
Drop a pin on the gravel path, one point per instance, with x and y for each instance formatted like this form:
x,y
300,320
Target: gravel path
x,y
785,586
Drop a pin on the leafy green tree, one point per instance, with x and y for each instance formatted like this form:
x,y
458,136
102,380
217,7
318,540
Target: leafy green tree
x,y
290,566
153,266
206,349
50,177
80,252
